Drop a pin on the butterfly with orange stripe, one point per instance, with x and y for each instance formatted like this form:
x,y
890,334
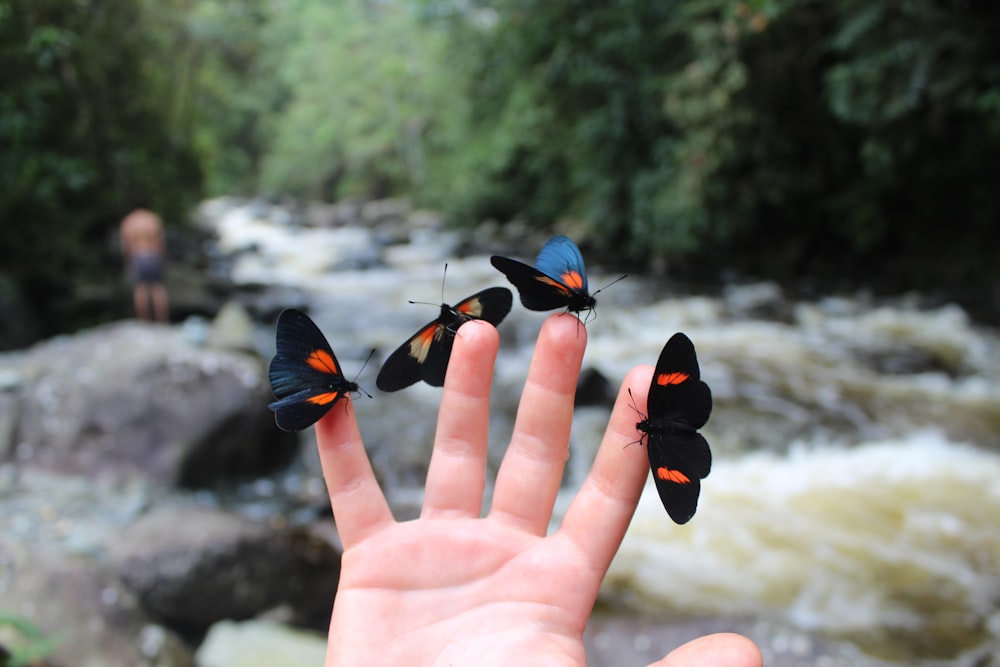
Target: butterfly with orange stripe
x,y
558,279
304,373
425,354
679,403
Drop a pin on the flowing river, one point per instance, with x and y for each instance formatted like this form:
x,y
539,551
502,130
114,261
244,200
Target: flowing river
x,y
855,490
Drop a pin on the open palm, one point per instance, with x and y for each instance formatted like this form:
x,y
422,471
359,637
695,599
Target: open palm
x,y
454,588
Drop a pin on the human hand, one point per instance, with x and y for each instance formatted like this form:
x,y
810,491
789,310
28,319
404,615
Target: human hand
x,y
452,588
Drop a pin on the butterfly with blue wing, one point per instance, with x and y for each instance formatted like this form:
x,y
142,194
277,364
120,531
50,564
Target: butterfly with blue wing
x,y
557,280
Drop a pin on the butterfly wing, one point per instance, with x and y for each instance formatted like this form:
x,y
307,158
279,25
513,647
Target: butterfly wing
x,y
303,409
561,260
678,462
305,375
425,355
537,290
407,364
677,392
491,304
558,279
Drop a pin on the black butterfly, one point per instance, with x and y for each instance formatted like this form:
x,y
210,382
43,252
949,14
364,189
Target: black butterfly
x,y
304,373
558,279
679,404
425,354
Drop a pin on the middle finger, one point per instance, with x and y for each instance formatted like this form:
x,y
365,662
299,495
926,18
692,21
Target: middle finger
x,y
531,471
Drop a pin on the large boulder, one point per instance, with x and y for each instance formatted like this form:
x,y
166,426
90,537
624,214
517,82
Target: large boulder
x,y
135,398
193,567
86,617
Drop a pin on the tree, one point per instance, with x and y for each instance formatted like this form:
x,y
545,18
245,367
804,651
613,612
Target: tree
x,y
769,137
365,86
94,110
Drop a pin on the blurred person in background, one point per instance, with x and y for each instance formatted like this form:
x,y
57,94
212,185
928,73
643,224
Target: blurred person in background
x,y
144,248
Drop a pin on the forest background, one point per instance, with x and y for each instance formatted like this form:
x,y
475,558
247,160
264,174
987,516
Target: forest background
x,y
838,143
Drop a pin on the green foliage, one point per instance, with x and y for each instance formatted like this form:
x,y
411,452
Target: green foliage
x,y
863,141
26,643
364,86
59,160
102,102
209,72
772,137
566,111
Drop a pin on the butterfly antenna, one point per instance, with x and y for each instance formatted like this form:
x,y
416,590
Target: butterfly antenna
x,y
358,374
639,412
631,399
443,276
592,311
428,303
616,280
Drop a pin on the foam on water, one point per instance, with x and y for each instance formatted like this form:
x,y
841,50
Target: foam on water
x,y
894,544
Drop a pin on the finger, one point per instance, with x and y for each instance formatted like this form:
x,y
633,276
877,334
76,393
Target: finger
x,y
457,473
359,507
723,649
597,518
531,471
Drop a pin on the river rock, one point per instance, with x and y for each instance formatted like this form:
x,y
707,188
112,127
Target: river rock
x,y
136,398
193,567
384,211
87,615
19,323
260,643
763,300
593,388
325,214
232,329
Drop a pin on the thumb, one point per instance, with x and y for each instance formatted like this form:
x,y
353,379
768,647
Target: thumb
x,y
724,649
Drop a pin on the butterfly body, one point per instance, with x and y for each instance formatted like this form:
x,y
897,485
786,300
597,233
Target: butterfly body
x,y
557,280
425,355
679,403
304,373
665,427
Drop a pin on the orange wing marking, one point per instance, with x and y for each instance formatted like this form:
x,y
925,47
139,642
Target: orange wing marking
x,y
670,475
554,283
321,361
324,399
672,378
573,280
421,343
473,307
